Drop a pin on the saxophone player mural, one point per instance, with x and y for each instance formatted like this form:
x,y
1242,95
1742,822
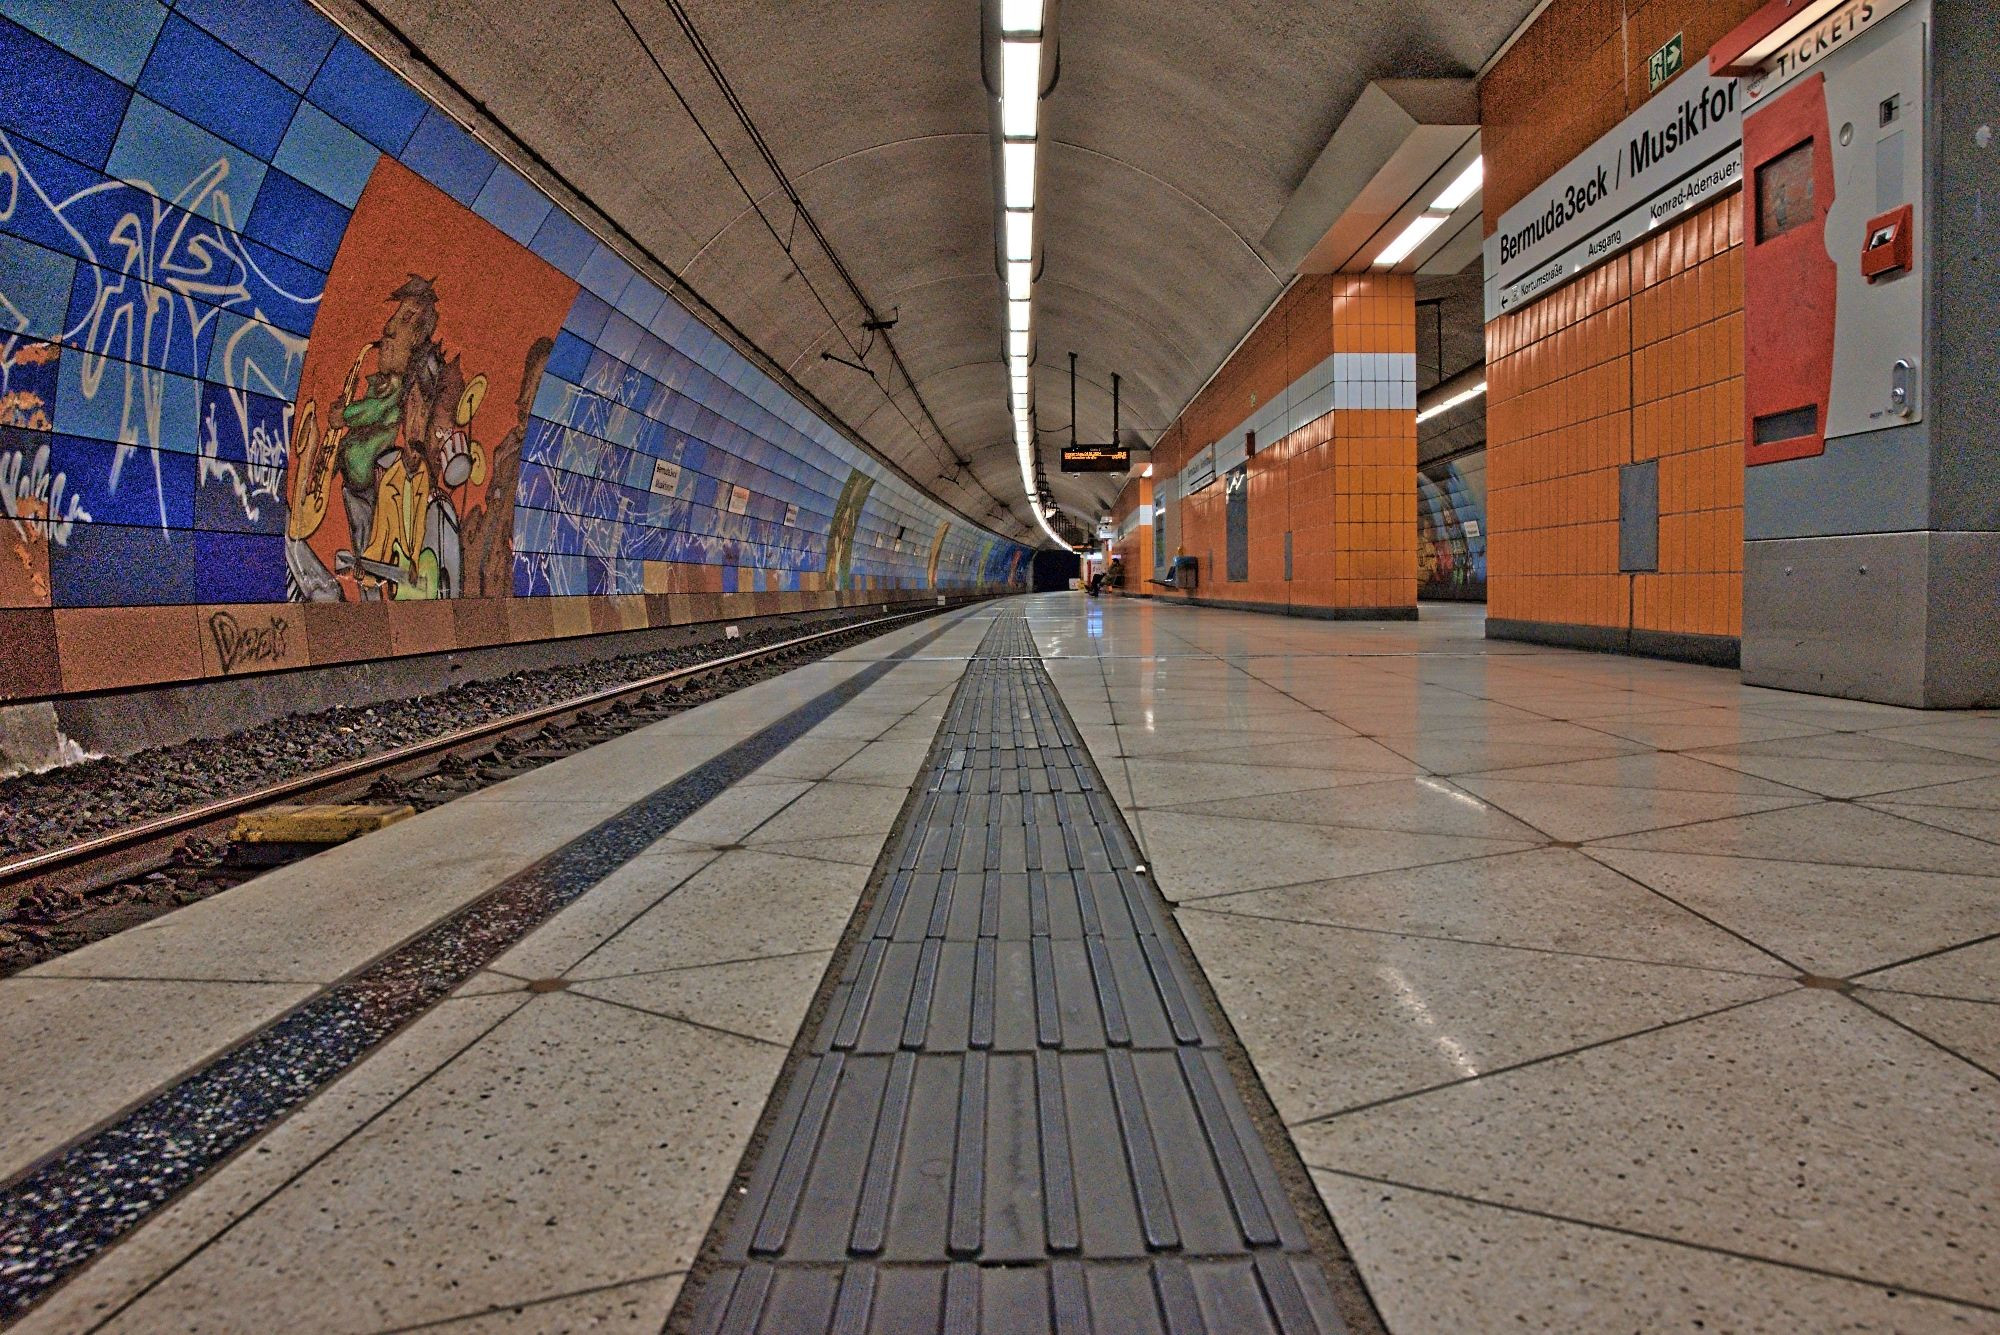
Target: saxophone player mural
x,y
399,416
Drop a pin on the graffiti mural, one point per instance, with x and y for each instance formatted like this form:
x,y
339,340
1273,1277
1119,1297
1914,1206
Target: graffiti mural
x,y
432,331
275,328
1451,538
841,534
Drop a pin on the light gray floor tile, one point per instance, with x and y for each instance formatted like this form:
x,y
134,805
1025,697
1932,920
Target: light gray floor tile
x,y
1973,794
1419,805
75,1051
576,1146
1971,972
860,850
743,905
1576,812
1649,769
1467,755
811,758
1963,736
1332,754
1782,1130
831,810
1969,1028
558,944
246,1180
1848,764
762,998
1166,783
1835,832
730,815
631,1307
1830,920
1545,899
1198,855
1687,729
890,764
1437,1264
1976,822
1336,1018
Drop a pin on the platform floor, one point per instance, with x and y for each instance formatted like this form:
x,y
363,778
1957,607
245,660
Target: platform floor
x,y
1587,993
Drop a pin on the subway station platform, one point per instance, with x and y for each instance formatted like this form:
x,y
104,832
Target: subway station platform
x,y
1070,965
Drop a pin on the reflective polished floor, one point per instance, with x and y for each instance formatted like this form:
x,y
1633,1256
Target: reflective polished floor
x,y
1591,993
1597,993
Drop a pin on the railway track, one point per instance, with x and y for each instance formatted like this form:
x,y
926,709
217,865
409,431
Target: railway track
x,y
56,900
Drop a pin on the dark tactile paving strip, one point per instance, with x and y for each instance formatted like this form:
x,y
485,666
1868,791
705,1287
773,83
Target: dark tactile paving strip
x,y
1015,1114
61,1213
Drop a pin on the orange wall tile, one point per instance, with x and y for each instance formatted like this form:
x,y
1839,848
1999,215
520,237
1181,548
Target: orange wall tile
x,y
1641,359
1343,486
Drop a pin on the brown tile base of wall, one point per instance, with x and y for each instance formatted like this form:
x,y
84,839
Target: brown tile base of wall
x,y
126,721
1290,609
1709,650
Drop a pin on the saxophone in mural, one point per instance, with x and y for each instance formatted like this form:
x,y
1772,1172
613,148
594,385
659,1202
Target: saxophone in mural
x,y
395,442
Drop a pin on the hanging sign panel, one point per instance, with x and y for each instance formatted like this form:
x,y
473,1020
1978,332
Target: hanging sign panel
x,y
1095,459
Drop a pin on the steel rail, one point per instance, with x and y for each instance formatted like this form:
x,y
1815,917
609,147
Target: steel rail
x,y
41,863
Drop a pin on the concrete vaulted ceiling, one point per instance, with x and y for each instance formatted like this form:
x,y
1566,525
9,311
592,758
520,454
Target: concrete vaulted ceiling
x,y
1173,135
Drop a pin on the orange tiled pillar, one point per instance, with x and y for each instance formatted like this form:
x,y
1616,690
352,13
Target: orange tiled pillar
x,y
1372,448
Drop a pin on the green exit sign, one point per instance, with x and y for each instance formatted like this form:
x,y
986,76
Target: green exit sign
x,y
1665,63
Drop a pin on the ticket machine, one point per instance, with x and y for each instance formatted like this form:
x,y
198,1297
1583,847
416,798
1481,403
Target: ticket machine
x,y
1869,506
1834,217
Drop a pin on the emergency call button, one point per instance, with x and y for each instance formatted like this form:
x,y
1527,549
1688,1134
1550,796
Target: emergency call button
x,y
1890,246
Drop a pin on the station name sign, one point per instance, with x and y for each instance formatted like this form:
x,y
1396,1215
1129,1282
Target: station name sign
x,y
1095,459
1678,152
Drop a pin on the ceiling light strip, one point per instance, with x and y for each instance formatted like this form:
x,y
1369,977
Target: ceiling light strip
x,y
1020,111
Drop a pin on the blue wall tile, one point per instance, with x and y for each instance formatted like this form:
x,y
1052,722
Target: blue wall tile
x,y
449,158
113,35
168,155
119,409
289,38
108,565
197,76
326,155
239,567
56,99
360,92
35,283
297,220
124,484
513,204
564,242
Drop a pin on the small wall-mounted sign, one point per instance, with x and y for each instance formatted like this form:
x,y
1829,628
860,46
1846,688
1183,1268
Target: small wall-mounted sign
x,y
1095,459
1664,63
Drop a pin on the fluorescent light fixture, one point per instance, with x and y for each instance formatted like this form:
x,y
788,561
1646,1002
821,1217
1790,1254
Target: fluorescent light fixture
x,y
1017,346
1021,16
1017,161
1020,88
1147,471
1412,236
1454,401
1464,188
1020,236
1020,279
1017,317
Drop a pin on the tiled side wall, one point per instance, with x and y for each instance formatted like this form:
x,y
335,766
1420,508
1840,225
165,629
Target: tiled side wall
x,y
1341,485
293,370
1640,359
